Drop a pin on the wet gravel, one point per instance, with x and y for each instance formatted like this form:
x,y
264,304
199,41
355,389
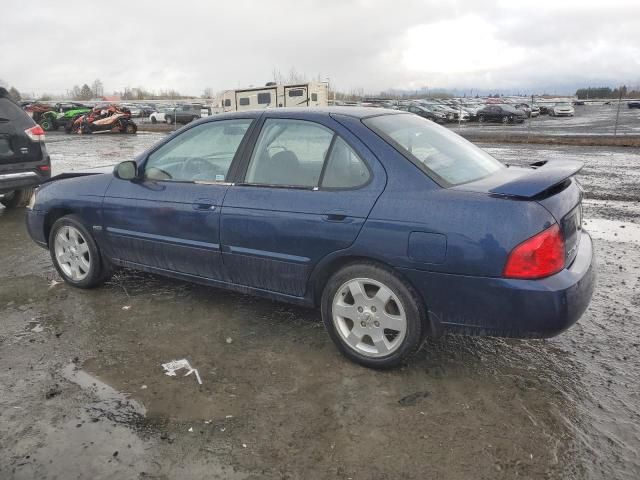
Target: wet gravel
x,y
82,392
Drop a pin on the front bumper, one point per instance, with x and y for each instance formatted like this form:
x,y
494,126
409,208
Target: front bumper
x,y
507,307
35,227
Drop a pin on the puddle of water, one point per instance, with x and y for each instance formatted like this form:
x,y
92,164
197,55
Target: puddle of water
x,y
613,230
111,403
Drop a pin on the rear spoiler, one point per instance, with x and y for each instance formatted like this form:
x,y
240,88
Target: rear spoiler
x,y
543,176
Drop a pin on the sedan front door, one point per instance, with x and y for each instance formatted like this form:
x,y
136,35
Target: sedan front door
x,y
169,218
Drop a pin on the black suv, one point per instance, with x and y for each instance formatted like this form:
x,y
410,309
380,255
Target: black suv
x,y
24,161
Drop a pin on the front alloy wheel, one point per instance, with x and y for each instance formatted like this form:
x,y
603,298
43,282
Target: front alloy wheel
x,y
72,253
75,253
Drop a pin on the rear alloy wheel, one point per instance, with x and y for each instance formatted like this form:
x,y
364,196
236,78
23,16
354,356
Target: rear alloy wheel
x,y
481,119
75,253
130,128
169,120
373,317
17,198
505,119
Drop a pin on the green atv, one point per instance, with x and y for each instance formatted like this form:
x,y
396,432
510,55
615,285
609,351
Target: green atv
x,y
52,120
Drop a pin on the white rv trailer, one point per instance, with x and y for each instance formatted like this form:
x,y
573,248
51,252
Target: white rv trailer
x,y
312,94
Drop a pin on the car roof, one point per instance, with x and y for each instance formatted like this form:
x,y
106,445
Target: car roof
x,y
311,112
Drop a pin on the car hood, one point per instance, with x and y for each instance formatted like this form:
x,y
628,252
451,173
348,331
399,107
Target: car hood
x,y
83,173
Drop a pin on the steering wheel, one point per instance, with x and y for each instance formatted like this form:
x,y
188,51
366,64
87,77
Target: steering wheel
x,y
195,166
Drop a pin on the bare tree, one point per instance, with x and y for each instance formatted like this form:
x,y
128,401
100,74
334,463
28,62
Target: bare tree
x,y
97,88
208,93
15,94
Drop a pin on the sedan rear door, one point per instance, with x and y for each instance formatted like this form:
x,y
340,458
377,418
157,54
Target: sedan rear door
x,y
307,190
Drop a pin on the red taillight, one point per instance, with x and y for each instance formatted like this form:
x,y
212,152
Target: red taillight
x,y
35,133
540,256
44,168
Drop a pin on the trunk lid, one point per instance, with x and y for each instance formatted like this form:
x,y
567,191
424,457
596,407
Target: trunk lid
x,y
551,184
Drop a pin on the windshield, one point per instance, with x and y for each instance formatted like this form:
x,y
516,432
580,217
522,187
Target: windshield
x,y
449,158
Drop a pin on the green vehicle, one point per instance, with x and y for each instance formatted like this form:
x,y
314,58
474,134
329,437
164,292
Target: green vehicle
x,y
51,121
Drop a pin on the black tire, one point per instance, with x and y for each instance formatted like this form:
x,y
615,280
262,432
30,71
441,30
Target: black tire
x,y
17,198
130,128
48,124
413,306
481,119
99,268
153,120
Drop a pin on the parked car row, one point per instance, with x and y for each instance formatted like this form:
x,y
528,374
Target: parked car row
x,y
485,110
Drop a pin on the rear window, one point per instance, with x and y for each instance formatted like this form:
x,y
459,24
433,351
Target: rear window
x,y
445,156
12,112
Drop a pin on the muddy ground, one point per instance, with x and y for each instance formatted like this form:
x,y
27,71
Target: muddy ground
x,y
83,394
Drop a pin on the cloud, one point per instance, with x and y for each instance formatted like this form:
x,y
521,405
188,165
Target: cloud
x,y
373,45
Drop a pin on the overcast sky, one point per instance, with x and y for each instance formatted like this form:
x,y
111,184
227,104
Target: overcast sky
x,y
48,46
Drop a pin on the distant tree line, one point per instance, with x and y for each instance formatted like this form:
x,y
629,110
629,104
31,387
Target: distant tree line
x,y
607,92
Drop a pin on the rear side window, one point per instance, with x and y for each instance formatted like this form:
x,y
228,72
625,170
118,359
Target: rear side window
x,y
227,103
344,168
264,98
244,101
314,97
443,155
289,152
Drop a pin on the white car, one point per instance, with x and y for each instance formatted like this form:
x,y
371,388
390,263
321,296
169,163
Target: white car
x,y
562,110
158,117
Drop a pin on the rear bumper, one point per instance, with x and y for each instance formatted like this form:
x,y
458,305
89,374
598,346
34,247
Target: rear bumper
x,y
507,307
19,180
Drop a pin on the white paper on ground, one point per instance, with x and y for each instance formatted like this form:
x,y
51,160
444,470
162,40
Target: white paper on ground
x,y
170,368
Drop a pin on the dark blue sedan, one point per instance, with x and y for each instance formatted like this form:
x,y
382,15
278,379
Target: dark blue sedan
x,y
395,227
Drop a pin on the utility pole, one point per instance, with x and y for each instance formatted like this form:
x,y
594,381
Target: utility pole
x,y
615,129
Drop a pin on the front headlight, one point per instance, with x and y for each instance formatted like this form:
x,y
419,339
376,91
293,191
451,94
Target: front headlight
x,y
32,200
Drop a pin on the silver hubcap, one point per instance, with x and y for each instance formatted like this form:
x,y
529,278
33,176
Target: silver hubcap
x,y
72,253
369,317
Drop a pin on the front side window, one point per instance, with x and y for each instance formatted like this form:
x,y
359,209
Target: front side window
x,y
289,152
449,158
264,98
202,153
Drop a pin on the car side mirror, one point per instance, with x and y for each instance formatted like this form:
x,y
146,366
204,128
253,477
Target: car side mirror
x,y
126,170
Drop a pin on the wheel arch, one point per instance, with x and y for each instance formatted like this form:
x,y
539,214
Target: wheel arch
x,y
52,216
329,266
